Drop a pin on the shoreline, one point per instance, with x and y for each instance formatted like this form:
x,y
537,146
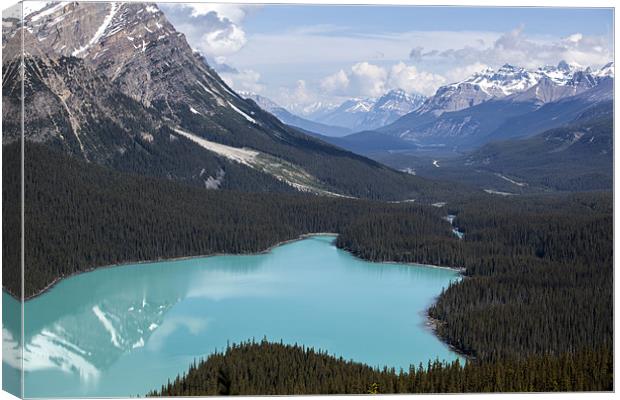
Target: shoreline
x,y
59,279
431,323
460,270
303,236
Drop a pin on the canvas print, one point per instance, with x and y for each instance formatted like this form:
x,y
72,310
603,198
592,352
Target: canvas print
x,y
205,199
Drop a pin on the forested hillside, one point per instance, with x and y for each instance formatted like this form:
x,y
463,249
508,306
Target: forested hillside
x,y
79,216
574,157
276,369
525,260
534,313
521,271
538,269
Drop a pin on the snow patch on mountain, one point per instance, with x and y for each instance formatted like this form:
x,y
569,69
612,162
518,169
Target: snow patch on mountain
x,y
39,10
240,155
545,84
606,70
246,116
360,114
100,31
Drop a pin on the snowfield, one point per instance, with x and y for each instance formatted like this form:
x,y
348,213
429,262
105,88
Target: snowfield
x,y
243,156
284,171
246,116
100,31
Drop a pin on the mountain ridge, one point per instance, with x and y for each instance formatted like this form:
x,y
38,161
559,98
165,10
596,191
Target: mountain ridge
x,y
142,57
292,119
478,109
359,114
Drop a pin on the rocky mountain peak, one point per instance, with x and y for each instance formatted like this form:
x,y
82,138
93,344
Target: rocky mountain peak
x,y
113,38
138,49
399,101
543,84
563,66
606,70
264,102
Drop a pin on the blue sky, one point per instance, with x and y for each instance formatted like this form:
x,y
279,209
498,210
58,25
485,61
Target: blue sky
x,y
550,21
301,54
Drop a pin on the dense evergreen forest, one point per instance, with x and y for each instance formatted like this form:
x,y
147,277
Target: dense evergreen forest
x,y
276,369
540,277
535,311
79,216
539,270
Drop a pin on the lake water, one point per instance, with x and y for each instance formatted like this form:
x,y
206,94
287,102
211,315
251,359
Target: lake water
x,y
126,330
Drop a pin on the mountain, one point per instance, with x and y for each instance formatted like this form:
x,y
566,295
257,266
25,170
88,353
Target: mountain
x,y
116,84
509,102
544,84
573,157
554,114
478,88
294,120
578,156
370,113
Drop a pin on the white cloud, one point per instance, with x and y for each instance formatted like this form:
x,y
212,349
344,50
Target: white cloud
x,y
515,47
223,41
213,29
247,80
302,98
460,73
369,80
336,82
300,94
362,79
233,12
411,79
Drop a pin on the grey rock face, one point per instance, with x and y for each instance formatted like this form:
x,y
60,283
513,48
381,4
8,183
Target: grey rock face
x,y
468,111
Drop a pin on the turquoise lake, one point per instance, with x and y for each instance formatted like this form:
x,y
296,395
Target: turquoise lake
x,y
125,330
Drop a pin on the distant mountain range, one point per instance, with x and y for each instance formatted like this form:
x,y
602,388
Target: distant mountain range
x,y
351,116
542,85
369,113
294,120
123,89
573,157
117,85
576,156
511,102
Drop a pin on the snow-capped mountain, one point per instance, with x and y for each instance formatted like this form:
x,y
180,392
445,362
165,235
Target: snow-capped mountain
x,y
313,110
264,102
544,84
294,120
508,102
116,84
606,70
398,101
391,106
370,113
